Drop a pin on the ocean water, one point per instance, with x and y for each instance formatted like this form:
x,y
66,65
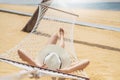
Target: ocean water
x,y
98,5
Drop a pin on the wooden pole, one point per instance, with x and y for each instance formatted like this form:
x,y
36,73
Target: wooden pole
x,y
29,26
31,23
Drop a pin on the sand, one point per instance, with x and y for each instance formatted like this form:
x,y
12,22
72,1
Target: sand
x,y
101,47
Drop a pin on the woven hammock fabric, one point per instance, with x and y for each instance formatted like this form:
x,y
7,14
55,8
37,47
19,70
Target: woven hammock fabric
x,y
41,33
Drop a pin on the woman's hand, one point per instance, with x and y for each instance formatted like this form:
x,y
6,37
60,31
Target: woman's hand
x,y
65,70
44,66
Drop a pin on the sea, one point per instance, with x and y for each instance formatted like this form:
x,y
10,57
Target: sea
x,y
96,5
99,5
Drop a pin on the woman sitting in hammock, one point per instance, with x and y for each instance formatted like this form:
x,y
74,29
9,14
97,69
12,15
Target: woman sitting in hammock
x,y
55,57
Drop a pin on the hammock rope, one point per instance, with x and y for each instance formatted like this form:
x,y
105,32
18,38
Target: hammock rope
x,y
34,42
43,70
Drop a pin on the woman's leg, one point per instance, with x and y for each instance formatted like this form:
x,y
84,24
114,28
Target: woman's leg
x,y
61,33
53,39
56,36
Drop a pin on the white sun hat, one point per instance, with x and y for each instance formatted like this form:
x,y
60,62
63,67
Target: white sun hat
x,y
54,57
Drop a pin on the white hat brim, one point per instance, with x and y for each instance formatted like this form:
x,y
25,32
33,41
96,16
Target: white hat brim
x,y
64,56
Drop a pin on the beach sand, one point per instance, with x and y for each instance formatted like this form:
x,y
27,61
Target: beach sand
x,y
101,47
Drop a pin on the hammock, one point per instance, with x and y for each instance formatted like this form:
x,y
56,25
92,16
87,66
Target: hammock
x,y
40,34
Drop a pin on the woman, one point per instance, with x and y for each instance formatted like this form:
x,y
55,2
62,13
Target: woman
x,y
52,41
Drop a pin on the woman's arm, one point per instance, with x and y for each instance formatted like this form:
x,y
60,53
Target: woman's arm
x,y
78,66
26,58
